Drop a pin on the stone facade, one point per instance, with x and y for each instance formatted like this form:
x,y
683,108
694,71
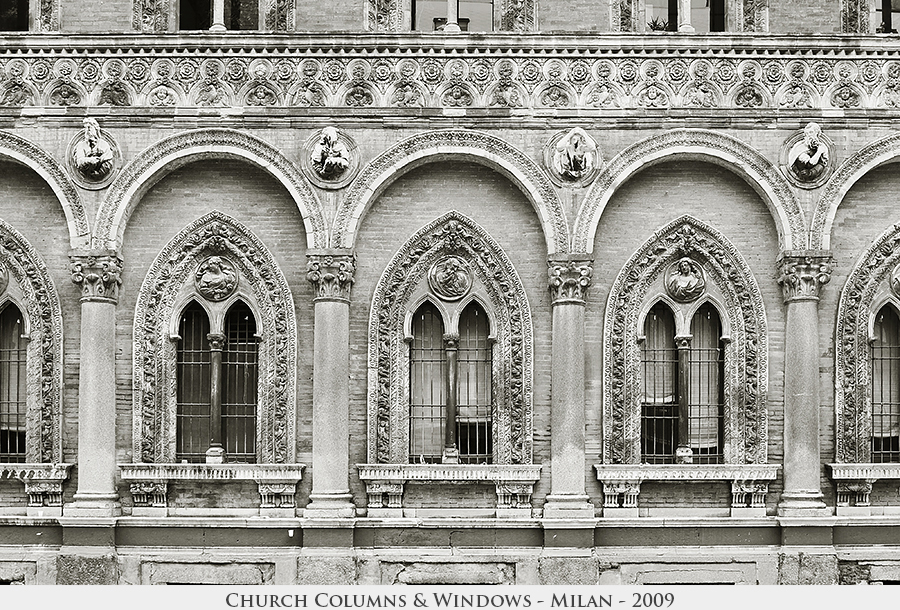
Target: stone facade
x,y
334,170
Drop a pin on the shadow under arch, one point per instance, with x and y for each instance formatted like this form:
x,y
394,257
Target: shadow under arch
x,y
163,157
433,146
705,145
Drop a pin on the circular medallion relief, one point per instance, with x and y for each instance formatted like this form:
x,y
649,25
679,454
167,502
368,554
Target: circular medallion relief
x,y
450,278
685,281
92,157
216,278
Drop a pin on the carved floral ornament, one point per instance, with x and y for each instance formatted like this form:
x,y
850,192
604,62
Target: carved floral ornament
x,y
569,280
802,274
178,264
869,287
331,274
639,284
452,236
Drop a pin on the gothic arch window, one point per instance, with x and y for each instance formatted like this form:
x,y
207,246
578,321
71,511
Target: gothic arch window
x,y
885,363
430,15
215,318
706,15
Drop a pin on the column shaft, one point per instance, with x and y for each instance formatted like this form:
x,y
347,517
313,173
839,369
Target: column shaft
x,y
684,16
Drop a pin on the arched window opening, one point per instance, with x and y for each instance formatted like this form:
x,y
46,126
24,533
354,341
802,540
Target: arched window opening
x,y
886,387
194,14
706,15
239,361
886,17
242,14
14,16
473,15
192,433
659,405
12,386
705,391
427,386
473,417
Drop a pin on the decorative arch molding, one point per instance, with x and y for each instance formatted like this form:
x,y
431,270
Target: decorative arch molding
x,y
866,159
24,152
154,163
705,145
856,16
428,147
746,352
388,382
38,300
866,291
154,347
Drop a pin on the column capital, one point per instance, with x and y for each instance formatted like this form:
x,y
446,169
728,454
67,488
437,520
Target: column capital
x,y
331,273
99,275
802,273
569,278
216,341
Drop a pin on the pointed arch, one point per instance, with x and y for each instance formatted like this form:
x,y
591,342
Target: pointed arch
x,y
869,157
746,354
388,390
161,299
482,148
24,152
709,146
872,283
168,154
32,290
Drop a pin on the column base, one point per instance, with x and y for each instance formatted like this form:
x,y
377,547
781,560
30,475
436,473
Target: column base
x,y
803,504
330,505
93,505
568,507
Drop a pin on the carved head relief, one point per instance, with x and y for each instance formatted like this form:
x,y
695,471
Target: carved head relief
x,y
806,157
331,158
450,278
92,156
685,281
216,278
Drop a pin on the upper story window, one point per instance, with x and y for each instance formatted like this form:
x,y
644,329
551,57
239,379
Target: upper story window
x,y
472,15
234,15
14,16
431,15
705,16
886,386
886,16
451,402
213,15
13,410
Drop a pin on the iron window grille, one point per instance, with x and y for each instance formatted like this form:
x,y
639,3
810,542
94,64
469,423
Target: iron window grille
x,y
885,376
12,386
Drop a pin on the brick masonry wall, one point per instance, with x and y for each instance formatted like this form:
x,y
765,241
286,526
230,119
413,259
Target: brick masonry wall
x,y
87,16
257,200
650,200
410,203
805,16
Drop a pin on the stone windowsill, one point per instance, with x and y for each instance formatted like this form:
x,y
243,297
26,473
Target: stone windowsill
x,y
622,484
385,482
854,487
149,484
43,486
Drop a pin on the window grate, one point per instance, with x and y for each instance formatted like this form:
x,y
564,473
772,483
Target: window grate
x,y
13,385
239,361
427,371
192,425
886,387
474,411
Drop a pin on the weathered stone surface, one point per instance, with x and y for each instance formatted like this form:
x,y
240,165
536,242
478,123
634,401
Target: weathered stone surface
x,y
17,572
327,571
569,571
419,573
208,573
807,569
79,570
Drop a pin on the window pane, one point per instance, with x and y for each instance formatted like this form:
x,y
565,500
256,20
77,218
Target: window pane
x,y
886,387
477,14
192,432
427,370
659,368
706,364
239,378
12,386
195,14
14,15
242,14
474,396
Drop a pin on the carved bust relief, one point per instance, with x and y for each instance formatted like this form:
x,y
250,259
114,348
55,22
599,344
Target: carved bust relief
x,y
572,157
216,278
685,281
806,157
330,158
450,278
92,156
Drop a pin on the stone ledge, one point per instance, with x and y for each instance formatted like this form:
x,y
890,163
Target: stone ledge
x,y
749,484
149,484
854,485
43,485
514,483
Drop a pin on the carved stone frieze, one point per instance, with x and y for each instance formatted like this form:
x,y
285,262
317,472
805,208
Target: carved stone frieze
x,y
98,276
149,493
569,280
746,355
802,274
388,403
154,353
331,274
546,74
43,482
277,495
867,289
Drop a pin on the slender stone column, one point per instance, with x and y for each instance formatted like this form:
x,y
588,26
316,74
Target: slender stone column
x,y
331,272
98,275
684,16
683,453
215,454
569,282
801,276
218,16
451,450
452,25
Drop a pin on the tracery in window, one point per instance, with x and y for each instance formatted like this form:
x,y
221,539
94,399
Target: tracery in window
x,y
13,408
886,386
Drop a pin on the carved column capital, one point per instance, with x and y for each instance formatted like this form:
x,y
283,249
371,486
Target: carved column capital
x,y
216,341
802,273
331,273
99,276
569,279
